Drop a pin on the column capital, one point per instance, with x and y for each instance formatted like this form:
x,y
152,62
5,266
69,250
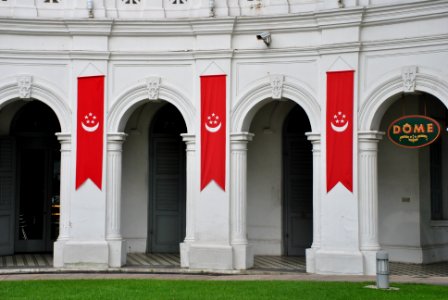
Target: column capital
x,y
370,136
64,137
188,138
236,137
116,136
313,137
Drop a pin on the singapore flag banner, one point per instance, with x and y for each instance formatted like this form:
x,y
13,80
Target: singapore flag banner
x,y
89,145
213,130
340,129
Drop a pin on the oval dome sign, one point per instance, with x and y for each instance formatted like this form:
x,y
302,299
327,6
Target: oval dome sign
x,y
413,131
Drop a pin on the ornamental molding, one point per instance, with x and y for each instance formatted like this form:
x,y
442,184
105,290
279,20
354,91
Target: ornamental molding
x,y
24,84
40,90
261,92
312,19
276,86
380,93
128,100
408,75
153,87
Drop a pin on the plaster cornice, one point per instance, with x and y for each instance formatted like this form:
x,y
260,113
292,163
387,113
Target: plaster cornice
x,y
89,27
424,41
404,12
309,21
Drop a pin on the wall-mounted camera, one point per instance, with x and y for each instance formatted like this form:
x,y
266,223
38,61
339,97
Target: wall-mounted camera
x,y
265,36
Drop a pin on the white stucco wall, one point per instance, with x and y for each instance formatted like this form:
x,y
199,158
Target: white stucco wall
x,y
376,41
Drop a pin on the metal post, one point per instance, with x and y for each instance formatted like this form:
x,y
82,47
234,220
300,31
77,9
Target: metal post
x,y
382,270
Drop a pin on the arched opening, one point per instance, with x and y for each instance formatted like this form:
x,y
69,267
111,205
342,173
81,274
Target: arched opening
x,y
166,214
279,197
154,179
30,178
412,194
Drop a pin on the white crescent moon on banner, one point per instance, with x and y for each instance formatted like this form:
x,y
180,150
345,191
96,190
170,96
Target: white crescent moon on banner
x,y
339,128
90,128
213,129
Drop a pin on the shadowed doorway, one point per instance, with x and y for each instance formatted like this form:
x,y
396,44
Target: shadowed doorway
x,y
38,178
297,184
166,224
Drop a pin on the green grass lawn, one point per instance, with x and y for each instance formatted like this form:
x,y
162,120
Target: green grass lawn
x,y
195,289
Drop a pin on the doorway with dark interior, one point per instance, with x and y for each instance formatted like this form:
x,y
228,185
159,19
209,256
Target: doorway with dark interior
x,y
30,175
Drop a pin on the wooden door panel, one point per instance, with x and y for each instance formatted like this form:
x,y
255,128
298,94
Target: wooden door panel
x,y
298,194
7,195
167,204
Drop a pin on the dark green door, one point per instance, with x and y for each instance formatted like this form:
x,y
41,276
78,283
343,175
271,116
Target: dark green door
x,y
297,184
7,198
167,182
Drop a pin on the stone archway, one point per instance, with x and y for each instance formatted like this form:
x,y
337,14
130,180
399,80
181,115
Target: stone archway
x,y
248,103
124,106
378,99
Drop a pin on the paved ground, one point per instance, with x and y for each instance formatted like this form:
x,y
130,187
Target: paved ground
x,y
166,266
299,277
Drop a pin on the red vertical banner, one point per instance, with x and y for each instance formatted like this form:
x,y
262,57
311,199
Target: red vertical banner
x,y
90,128
339,126
213,130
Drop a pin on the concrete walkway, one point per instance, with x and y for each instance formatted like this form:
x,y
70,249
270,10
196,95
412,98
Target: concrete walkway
x,y
289,277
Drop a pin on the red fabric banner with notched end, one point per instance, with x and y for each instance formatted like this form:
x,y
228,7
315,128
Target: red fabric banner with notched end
x,y
90,121
340,129
213,130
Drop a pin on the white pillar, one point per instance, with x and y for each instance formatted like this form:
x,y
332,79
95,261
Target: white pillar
x,y
117,246
314,138
190,141
243,256
64,198
368,197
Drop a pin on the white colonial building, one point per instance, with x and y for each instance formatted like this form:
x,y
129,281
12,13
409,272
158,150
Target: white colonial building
x,y
152,54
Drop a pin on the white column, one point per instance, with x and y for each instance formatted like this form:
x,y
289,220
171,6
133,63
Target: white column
x,y
243,258
190,141
368,197
64,198
117,247
314,138
64,222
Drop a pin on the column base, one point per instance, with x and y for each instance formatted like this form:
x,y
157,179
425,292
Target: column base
x,y
117,253
84,255
310,256
210,257
58,253
184,254
339,262
369,258
243,257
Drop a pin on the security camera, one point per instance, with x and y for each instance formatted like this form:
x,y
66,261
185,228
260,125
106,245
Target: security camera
x,y
265,36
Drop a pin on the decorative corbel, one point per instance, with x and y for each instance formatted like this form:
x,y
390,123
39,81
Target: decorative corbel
x,y
408,75
153,87
24,85
277,86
